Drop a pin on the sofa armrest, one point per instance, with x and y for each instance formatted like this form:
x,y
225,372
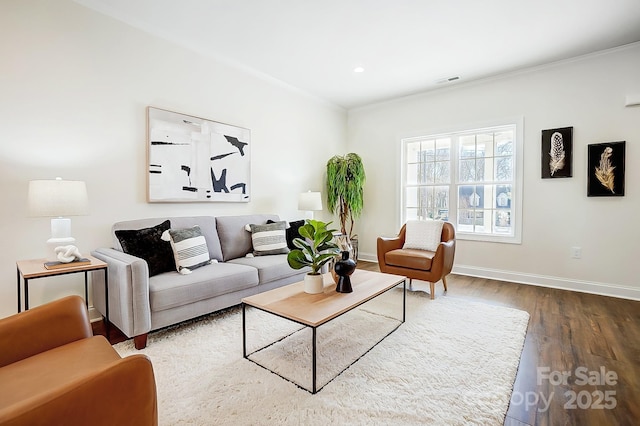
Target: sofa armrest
x,y
121,393
129,307
43,328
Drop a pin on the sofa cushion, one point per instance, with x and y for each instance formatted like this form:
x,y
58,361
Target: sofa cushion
x,y
270,268
189,248
207,226
172,289
147,244
410,258
268,239
235,241
293,231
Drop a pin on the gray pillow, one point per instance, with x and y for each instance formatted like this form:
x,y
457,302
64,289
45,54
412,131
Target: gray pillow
x,y
189,248
269,239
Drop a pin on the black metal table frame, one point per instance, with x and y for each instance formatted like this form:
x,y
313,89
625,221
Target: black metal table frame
x,y
314,388
86,289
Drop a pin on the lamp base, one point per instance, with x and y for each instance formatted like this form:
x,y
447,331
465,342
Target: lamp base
x,y
60,234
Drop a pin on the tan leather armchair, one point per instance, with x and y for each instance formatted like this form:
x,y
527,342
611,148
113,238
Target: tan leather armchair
x,y
418,264
53,371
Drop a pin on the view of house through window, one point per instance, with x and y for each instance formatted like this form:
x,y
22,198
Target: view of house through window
x,y
466,177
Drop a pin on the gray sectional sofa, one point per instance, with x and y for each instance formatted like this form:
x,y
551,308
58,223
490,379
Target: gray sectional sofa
x,y
139,304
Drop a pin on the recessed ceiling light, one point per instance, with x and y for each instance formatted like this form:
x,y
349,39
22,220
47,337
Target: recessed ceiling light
x,y
358,69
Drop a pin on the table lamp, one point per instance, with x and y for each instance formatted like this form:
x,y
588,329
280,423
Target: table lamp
x,y
56,199
310,202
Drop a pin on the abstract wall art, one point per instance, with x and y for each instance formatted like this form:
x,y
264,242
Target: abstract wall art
x,y
605,170
192,159
557,152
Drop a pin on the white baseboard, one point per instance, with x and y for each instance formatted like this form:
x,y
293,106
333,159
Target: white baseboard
x,y
94,315
602,289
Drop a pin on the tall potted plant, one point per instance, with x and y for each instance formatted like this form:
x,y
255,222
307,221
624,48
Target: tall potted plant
x,y
345,191
313,251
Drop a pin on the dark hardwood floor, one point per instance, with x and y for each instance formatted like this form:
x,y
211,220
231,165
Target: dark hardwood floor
x,y
580,363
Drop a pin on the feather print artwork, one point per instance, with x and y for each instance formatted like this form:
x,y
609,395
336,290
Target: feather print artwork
x,y
604,172
556,162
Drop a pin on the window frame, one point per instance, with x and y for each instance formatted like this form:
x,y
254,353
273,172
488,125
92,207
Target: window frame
x,y
454,133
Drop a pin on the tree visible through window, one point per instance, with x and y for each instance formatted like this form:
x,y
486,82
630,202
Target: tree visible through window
x,y
467,177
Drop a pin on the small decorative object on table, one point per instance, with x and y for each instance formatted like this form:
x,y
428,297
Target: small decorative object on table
x,y
67,256
343,268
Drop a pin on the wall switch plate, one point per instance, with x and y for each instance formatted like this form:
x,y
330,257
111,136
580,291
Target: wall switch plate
x,y
576,252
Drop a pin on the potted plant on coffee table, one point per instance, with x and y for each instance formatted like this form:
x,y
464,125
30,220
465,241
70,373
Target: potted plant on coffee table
x,y
314,250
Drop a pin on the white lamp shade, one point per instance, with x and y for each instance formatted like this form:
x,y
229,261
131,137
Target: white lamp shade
x,y
310,201
57,198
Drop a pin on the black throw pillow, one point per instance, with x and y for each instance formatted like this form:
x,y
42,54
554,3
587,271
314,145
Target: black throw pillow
x,y
293,232
146,244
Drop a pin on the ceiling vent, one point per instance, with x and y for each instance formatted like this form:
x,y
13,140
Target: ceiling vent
x,y
447,80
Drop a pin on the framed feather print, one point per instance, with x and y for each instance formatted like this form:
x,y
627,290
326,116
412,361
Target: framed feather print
x,y
605,170
557,150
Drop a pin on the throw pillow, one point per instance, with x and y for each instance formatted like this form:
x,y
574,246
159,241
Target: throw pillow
x,y
189,248
147,244
292,231
269,238
423,234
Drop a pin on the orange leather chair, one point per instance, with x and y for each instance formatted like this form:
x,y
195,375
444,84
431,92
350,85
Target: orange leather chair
x,y
431,266
53,371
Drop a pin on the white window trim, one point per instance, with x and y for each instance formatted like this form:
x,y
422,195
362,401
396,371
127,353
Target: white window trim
x,y
516,238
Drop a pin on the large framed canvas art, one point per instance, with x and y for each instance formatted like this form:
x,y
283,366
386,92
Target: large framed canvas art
x,y
193,159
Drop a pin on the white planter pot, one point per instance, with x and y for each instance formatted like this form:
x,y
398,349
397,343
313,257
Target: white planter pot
x,y
313,284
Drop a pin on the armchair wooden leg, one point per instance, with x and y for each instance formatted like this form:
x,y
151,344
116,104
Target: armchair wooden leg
x,y
444,281
433,289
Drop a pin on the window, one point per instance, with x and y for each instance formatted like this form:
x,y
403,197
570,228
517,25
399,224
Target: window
x,y
469,177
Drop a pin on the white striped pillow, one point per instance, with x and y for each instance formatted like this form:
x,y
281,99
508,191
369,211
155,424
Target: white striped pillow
x,y
189,248
269,239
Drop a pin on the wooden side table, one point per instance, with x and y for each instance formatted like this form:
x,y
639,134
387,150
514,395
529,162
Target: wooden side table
x,y
34,268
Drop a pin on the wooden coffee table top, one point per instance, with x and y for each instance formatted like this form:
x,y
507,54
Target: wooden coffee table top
x,y
313,310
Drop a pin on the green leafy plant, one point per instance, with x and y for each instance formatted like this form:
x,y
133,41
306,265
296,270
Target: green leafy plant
x,y
316,249
345,189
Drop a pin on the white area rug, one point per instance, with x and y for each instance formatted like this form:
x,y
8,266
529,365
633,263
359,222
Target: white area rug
x,y
452,362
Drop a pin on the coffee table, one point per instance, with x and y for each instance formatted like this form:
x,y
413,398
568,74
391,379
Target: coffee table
x,y
314,310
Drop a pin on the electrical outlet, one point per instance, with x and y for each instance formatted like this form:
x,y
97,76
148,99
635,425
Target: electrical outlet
x,y
576,252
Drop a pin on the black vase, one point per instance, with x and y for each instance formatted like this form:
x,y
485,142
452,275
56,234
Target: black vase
x,y
344,267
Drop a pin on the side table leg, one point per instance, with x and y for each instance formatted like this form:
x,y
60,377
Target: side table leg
x,y
26,294
106,301
86,289
19,291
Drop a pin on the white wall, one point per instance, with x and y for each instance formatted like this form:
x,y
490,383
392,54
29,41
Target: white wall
x,y
74,85
587,93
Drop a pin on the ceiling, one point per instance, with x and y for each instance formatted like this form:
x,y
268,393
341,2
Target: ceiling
x,y
404,46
